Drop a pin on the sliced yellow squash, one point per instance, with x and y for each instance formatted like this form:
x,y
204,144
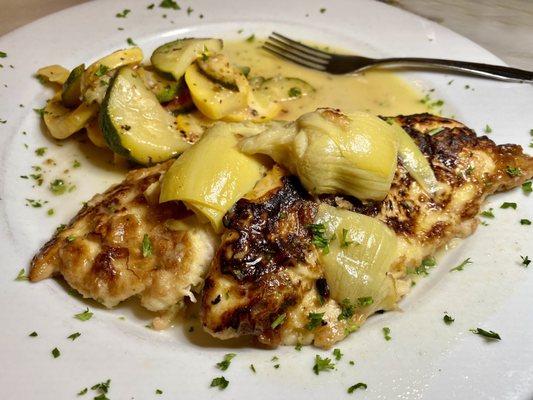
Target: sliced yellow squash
x,y
54,73
63,122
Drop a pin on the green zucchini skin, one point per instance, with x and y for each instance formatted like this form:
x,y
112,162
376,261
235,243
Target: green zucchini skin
x,y
111,135
135,125
71,92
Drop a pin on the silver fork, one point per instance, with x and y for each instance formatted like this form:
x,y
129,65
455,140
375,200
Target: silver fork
x,y
310,57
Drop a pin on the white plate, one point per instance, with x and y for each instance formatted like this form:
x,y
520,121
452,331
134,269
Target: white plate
x,y
425,359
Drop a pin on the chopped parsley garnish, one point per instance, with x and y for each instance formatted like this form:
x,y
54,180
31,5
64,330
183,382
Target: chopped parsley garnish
x,y
315,320
337,353
426,263
41,151
74,336
146,246
386,333
61,228
461,266
33,334
76,164
71,238
351,362
55,352
150,6
278,321
58,186
36,203
101,71
250,38
252,367
513,171
319,237
487,213
344,239
101,397
40,111
525,222
3,54
525,261
102,387
83,391
322,364
158,391
189,10
359,385
50,212
220,382
123,13
298,347
130,42
365,301
435,131
295,92
526,187
508,205
225,363
487,129
84,316
486,334
22,275
276,366
169,4
322,10
447,319
347,310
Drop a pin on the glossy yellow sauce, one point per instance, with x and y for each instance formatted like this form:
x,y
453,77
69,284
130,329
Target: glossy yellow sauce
x,y
377,92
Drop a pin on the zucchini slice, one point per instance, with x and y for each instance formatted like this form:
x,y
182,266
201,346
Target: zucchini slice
x,y
173,58
219,69
71,93
212,99
165,90
285,89
135,125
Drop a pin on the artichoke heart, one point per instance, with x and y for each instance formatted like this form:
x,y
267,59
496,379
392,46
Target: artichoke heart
x,y
414,161
332,152
212,175
361,251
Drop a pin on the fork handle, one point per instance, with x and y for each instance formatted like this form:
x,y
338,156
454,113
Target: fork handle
x,y
493,71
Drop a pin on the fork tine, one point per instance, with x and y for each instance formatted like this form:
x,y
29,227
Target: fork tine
x,y
296,51
302,47
271,49
296,56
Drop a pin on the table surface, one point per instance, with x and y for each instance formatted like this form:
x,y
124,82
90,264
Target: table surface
x,y
504,27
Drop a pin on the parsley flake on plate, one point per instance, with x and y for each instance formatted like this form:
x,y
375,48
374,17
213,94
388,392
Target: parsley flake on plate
x,y
386,333
525,261
225,363
525,222
220,382
527,187
83,391
461,266
123,14
130,42
55,352
84,316
322,365
40,151
158,391
359,385
250,38
488,213
33,334
22,275
487,129
74,336
447,319
170,4
490,335
506,205
102,387
337,353
3,54
252,367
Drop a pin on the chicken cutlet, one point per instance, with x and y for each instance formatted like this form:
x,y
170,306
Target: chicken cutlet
x,y
266,279
124,243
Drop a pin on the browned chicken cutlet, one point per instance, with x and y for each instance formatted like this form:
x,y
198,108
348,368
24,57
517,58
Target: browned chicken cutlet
x,y
124,243
265,278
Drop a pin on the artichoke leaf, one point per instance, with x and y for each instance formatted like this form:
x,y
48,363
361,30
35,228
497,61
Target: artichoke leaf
x,y
54,73
63,122
361,252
